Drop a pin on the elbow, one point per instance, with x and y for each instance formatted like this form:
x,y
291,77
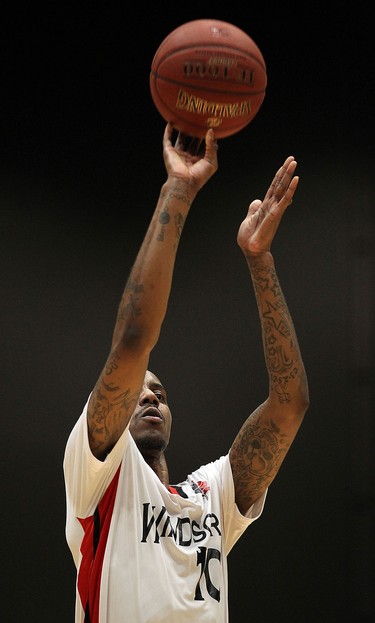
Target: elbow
x,y
299,396
302,403
137,339
304,395
292,406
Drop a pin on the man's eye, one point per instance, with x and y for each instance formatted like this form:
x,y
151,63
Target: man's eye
x,y
160,396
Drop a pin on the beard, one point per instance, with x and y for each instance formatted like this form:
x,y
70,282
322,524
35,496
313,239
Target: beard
x,y
150,443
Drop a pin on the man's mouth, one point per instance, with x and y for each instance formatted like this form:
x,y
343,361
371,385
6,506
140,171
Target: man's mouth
x,y
152,414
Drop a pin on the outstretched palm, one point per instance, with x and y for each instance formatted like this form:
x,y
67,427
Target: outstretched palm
x,y
256,232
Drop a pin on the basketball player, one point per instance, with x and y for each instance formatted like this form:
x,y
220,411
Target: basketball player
x,y
147,551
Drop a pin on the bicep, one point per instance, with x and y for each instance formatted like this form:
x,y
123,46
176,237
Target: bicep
x,y
258,451
113,399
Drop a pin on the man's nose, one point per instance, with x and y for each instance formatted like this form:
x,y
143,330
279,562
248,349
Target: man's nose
x,y
148,397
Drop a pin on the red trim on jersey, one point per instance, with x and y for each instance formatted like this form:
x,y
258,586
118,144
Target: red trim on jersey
x,y
96,528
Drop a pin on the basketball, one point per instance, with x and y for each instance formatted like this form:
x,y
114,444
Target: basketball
x,y
206,74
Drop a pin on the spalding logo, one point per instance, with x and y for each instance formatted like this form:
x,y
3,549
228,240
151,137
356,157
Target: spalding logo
x,y
217,110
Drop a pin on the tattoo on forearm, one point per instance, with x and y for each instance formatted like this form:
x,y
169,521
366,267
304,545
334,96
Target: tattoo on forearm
x,y
131,309
134,287
129,306
280,384
179,222
164,219
175,194
277,317
278,332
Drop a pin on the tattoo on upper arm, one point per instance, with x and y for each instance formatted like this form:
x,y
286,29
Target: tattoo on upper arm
x,y
106,417
109,407
256,456
110,366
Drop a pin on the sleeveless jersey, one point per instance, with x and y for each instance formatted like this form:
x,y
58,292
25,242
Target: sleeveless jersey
x,y
145,553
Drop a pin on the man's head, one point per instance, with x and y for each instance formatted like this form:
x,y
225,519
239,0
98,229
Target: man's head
x,y
151,421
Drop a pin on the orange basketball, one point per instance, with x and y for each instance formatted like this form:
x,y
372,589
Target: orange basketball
x,y
208,74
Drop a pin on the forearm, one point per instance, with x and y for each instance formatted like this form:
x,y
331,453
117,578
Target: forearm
x,y
145,298
287,377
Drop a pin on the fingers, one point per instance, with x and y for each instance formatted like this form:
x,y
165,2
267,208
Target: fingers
x,y
167,136
254,206
284,174
180,142
211,147
192,145
288,197
168,131
210,139
284,185
189,144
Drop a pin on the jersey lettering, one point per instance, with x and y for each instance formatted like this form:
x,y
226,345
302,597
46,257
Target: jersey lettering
x,y
184,532
204,555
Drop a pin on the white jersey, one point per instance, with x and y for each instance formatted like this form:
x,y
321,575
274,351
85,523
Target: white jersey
x,y
145,553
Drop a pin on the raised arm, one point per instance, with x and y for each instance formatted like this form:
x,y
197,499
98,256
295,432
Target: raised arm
x,y
266,436
145,298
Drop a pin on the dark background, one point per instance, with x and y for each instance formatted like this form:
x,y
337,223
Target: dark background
x,y
80,171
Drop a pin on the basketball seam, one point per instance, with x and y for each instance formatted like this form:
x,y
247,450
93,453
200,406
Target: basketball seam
x,y
158,61
203,88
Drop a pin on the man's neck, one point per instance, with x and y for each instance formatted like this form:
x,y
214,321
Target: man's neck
x,y
159,465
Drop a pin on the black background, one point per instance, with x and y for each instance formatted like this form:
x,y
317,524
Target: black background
x,y
80,171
